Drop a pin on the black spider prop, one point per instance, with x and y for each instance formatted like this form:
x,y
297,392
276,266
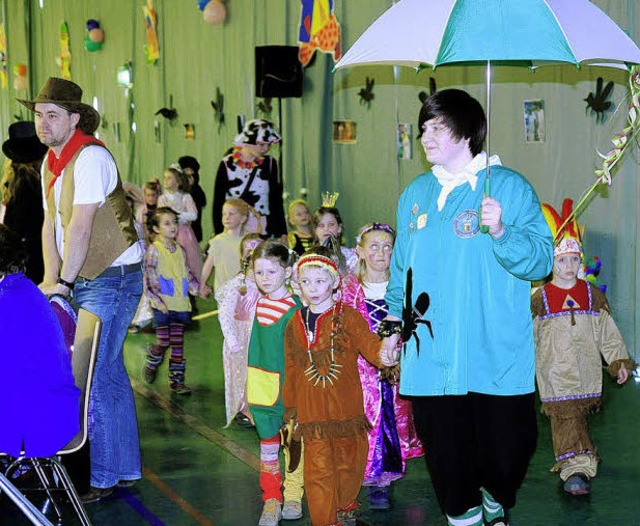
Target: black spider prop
x,y
218,108
366,94
168,113
265,106
423,95
412,315
598,102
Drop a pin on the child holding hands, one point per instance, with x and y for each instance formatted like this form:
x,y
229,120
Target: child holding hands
x,y
573,328
322,391
168,282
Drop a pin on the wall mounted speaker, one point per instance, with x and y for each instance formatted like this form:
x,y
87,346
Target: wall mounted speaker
x,y
278,72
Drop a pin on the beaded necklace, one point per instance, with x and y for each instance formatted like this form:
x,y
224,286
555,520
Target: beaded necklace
x,y
334,368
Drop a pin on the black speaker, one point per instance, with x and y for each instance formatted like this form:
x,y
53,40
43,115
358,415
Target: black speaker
x,y
278,72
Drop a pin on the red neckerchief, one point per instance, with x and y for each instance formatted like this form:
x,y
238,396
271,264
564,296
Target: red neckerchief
x,y
247,165
57,164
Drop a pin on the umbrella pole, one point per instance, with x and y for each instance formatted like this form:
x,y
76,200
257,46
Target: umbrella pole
x,y
487,182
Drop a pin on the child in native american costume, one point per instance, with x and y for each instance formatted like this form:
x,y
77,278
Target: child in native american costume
x,y
322,391
573,329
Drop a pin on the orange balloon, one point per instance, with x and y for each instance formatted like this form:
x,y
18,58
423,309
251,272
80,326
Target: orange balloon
x,y
96,35
214,12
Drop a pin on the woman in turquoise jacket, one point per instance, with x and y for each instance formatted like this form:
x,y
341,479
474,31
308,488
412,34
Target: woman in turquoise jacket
x,y
463,298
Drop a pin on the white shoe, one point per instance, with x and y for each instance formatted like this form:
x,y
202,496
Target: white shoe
x,y
271,513
292,510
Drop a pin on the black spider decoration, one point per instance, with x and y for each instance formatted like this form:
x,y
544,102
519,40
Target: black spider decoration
x,y
366,94
598,102
218,107
412,315
168,113
265,106
423,96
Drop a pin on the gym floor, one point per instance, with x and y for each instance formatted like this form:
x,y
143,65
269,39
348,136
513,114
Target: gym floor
x,y
198,473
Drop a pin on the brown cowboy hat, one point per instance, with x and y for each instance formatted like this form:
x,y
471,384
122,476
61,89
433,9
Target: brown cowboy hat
x,y
67,95
23,145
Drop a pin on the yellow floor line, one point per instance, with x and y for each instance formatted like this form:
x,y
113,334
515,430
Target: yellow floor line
x,y
176,411
173,496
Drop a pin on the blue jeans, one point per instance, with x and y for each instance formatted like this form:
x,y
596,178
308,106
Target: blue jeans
x,y
113,425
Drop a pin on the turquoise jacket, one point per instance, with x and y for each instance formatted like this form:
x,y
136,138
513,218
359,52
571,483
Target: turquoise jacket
x,y
468,323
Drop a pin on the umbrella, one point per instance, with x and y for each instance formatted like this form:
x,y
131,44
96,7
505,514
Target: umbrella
x,y
421,33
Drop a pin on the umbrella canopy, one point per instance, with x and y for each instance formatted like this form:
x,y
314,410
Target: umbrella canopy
x,y
416,33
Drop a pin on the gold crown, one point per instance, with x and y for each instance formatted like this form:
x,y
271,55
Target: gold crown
x,y
329,200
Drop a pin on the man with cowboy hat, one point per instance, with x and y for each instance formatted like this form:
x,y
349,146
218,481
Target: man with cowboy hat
x,y
91,249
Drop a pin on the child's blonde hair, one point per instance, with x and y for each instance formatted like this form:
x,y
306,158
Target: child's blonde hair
x,y
295,203
364,231
183,180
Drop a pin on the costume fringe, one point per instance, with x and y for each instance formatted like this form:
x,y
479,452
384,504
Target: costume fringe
x,y
335,428
571,408
616,365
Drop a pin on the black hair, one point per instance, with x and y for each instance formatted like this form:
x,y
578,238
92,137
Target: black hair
x,y
13,252
460,112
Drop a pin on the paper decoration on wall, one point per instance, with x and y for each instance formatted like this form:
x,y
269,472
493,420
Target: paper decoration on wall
x,y
20,80
319,29
95,36
366,94
214,12
168,113
64,60
151,49
189,131
218,108
3,58
598,102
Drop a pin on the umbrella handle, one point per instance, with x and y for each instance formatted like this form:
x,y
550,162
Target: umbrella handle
x,y
486,193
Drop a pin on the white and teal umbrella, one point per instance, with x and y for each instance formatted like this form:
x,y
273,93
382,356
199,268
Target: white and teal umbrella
x,y
433,33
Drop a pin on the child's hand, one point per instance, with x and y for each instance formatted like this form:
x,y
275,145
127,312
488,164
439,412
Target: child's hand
x,y
623,375
389,350
205,291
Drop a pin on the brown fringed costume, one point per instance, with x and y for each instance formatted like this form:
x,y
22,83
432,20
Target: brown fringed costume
x,y
327,403
573,328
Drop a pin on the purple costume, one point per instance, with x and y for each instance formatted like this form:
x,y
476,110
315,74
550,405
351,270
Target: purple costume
x,y
393,438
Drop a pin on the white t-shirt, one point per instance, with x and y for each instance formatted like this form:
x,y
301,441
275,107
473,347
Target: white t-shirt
x,y
96,176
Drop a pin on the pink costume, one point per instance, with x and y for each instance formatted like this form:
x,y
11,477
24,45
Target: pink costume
x,y
386,435
183,204
236,312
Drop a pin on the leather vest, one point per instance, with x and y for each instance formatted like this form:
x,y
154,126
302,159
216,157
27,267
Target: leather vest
x,y
112,231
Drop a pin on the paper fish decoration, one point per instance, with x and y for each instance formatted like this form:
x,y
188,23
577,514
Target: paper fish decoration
x,y
319,29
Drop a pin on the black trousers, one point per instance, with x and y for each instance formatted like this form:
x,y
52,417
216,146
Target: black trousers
x,y
473,441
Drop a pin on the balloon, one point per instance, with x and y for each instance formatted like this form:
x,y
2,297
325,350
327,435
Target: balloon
x,y
96,35
90,45
214,12
20,81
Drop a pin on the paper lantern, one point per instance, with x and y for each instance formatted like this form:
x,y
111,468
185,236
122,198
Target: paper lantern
x,y
20,81
214,12
96,35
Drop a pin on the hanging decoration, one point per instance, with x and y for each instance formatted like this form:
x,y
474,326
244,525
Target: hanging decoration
x,y
64,60
218,108
213,12
319,29
265,106
169,113
95,36
620,141
366,94
3,58
151,49
598,102
20,80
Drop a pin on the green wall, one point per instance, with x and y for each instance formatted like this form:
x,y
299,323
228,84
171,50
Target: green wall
x,y
196,58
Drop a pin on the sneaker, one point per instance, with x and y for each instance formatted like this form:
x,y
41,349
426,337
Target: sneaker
x,y
379,498
499,521
244,421
149,374
347,515
95,494
180,389
271,513
577,484
292,510
127,483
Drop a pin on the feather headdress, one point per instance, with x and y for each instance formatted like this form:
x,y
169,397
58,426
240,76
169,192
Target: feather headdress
x,y
569,239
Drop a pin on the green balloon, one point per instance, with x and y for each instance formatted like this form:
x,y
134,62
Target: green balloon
x,y
92,46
